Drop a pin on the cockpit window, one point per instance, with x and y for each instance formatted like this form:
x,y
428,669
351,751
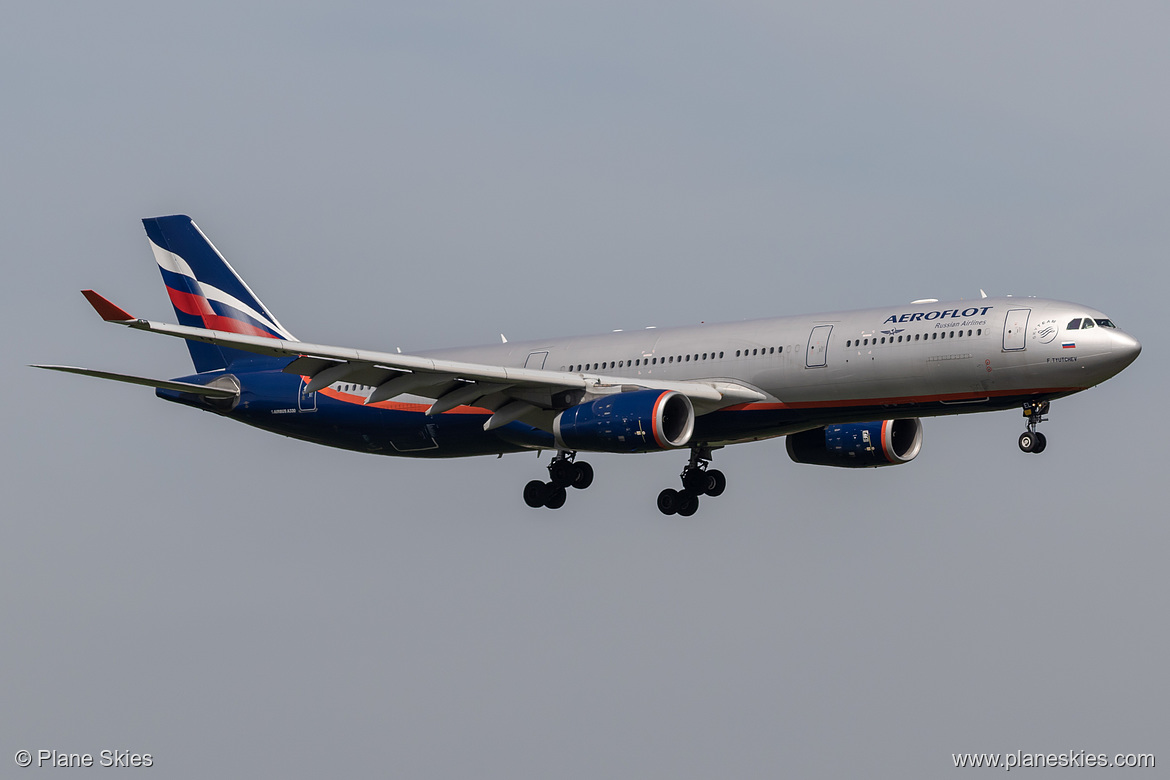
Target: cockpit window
x,y
1105,323
1074,325
1088,323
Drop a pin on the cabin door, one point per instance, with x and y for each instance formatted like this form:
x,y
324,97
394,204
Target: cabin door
x,y
818,345
1014,328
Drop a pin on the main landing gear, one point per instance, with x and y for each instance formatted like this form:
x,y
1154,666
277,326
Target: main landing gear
x,y
563,472
697,480
1032,440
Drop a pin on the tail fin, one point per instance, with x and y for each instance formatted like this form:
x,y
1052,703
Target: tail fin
x,y
207,292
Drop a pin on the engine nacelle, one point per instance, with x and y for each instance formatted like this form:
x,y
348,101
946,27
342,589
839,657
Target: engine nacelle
x,y
636,421
858,445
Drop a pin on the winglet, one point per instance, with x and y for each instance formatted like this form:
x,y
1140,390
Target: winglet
x,y
108,311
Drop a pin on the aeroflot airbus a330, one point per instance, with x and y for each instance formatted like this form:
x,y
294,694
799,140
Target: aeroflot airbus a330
x,y
846,388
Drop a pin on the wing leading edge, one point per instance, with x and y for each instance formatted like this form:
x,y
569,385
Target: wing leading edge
x,y
511,393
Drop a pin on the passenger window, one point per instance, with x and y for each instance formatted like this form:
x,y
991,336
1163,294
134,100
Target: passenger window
x,y
780,349
960,334
720,355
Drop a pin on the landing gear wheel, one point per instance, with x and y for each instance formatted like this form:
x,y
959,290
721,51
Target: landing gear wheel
x,y
1032,440
718,482
688,504
535,494
556,497
582,475
668,501
696,480
562,472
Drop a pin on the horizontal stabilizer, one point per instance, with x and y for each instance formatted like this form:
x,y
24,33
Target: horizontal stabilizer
x,y
179,387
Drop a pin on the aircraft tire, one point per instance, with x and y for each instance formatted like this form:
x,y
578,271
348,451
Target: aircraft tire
x,y
718,483
582,475
535,494
668,501
556,497
688,503
562,473
1041,443
1027,442
695,480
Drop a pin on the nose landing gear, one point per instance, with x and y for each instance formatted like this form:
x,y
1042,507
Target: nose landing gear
x,y
1032,440
563,472
697,480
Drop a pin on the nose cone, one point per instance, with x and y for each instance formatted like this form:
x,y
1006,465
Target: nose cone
x,y
1125,349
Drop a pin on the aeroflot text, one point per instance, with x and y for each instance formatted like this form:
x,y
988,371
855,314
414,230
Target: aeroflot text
x,y
936,315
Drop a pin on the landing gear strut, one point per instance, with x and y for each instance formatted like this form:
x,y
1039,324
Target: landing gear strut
x,y
1032,440
564,471
697,480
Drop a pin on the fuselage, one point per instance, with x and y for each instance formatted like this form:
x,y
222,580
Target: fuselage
x,y
921,359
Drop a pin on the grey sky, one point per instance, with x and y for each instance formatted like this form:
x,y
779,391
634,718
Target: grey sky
x,y
235,602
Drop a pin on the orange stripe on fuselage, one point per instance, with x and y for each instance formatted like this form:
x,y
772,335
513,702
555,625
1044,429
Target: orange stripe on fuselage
x,y
360,400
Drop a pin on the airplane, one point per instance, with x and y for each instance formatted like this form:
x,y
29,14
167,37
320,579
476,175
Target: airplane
x,y
846,389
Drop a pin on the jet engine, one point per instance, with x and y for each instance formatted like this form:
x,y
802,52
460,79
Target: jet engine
x,y
637,421
858,445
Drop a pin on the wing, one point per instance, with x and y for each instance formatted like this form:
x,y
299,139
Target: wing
x,y
510,393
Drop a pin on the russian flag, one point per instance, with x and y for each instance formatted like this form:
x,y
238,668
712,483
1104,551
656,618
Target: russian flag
x,y
1068,345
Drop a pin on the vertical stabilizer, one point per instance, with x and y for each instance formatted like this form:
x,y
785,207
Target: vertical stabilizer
x,y
206,291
